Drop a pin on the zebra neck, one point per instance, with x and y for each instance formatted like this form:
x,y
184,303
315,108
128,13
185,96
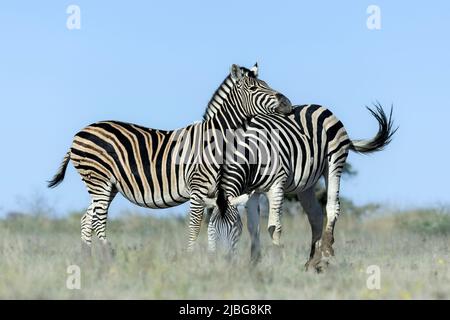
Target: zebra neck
x,y
224,108
229,117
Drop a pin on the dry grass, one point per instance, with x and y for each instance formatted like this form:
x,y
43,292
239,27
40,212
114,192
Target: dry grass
x,y
149,262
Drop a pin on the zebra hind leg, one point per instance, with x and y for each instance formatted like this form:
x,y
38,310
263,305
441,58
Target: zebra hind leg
x,y
102,192
99,225
86,231
315,215
333,210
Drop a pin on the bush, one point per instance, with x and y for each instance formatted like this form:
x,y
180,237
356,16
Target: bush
x,y
431,222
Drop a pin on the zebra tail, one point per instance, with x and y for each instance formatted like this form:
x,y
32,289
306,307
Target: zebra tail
x,y
59,176
383,136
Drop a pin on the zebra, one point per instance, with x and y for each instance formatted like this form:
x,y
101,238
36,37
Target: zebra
x,y
157,168
311,142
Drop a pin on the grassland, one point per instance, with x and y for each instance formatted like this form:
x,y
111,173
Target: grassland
x,y
411,250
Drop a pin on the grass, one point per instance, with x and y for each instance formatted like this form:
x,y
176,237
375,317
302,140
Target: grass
x,y
411,249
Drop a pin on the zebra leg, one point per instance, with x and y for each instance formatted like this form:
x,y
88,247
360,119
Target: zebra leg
x,y
195,220
209,212
86,230
275,195
100,217
333,210
253,217
102,192
236,233
315,215
212,235
99,223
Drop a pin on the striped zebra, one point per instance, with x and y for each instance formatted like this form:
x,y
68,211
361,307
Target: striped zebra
x,y
159,169
288,154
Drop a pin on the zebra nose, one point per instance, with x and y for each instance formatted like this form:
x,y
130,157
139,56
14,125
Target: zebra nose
x,y
284,104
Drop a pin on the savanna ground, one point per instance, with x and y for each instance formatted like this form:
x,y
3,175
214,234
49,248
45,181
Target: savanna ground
x,y
411,249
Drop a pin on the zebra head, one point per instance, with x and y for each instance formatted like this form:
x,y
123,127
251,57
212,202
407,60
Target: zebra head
x,y
243,95
225,229
225,225
254,95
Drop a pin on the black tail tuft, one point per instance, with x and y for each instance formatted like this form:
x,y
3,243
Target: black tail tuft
x,y
222,201
59,176
383,136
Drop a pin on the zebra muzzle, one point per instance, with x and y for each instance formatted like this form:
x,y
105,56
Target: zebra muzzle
x,y
284,104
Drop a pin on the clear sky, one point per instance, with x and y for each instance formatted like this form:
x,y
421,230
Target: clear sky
x,y
157,64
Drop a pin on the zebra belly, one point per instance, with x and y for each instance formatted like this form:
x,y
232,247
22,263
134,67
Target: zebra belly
x,y
153,200
304,178
300,186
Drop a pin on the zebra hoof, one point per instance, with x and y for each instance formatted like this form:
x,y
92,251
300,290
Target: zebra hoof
x,y
311,264
317,263
321,266
107,253
86,250
189,250
276,238
327,251
275,235
306,267
255,258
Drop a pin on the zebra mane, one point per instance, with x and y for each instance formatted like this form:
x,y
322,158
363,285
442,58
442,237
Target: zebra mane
x,y
222,201
221,94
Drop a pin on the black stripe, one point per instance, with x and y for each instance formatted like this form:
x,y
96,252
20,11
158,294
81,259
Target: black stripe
x,y
111,152
128,145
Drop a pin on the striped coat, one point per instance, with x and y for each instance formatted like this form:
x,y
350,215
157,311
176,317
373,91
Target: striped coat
x,y
288,154
157,168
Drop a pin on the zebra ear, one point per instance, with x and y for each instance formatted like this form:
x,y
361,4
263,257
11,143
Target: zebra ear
x,y
243,198
254,69
210,202
236,72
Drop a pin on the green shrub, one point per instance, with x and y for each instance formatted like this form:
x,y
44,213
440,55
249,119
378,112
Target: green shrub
x,y
431,222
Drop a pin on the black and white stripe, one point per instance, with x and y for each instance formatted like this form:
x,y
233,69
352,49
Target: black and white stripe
x,y
310,143
157,168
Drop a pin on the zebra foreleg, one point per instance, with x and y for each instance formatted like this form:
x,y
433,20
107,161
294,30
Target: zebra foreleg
x,y
236,232
315,215
212,234
275,195
253,217
195,221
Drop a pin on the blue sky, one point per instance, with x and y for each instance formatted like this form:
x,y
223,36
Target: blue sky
x,y
157,64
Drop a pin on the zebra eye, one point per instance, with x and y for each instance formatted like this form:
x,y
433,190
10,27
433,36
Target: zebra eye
x,y
253,88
